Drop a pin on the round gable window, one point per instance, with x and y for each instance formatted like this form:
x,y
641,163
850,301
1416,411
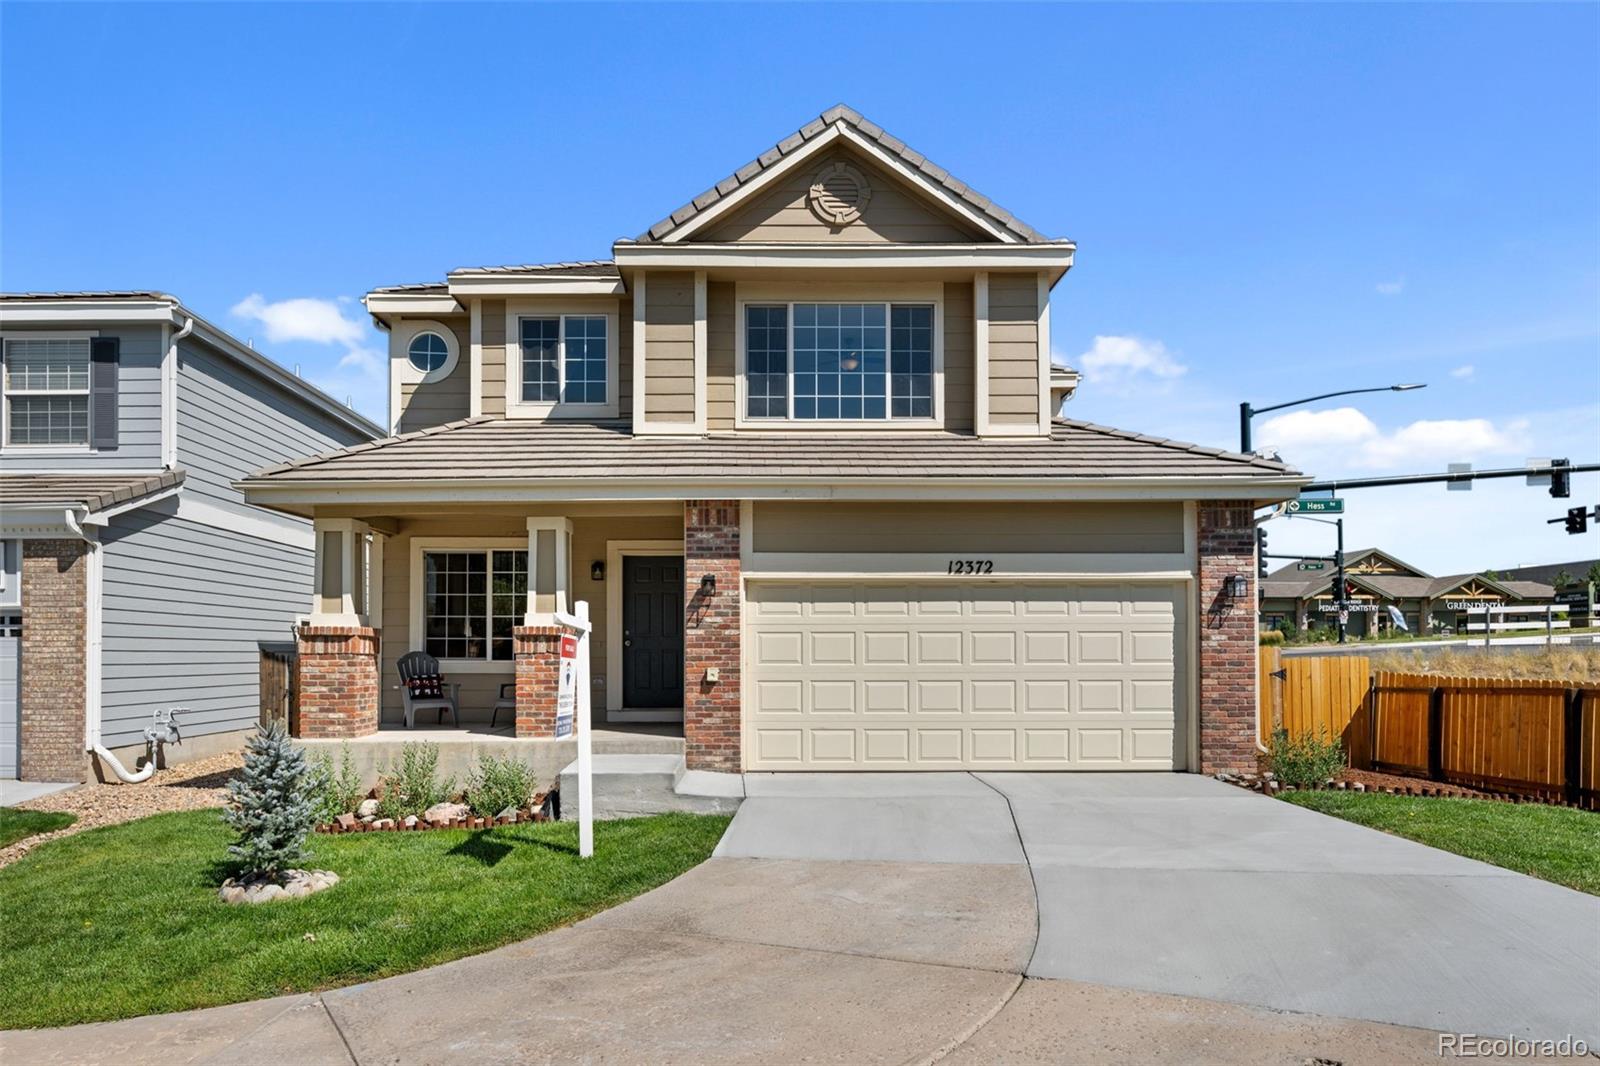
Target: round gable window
x,y
428,352
839,193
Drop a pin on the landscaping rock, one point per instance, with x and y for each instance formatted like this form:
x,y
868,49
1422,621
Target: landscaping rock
x,y
411,821
509,814
367,808
383,823
346,822
296,884
445,813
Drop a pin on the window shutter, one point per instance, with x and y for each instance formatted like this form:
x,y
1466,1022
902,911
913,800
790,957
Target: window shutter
x,y
104,355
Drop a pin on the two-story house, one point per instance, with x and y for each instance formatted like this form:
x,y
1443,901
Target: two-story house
x,y
797,447
135,576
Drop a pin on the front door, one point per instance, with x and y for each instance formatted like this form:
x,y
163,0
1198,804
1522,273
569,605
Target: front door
x,y
652,631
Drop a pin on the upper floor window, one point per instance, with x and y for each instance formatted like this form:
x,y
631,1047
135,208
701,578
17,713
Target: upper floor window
x,y
565,361
428,352
839,361
47,391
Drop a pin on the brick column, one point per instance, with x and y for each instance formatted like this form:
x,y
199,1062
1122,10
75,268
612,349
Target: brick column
x,y
537,650
55,660
336,677
711,728
1228,655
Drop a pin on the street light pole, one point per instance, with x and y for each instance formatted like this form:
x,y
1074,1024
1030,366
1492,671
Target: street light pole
x,y
1247,412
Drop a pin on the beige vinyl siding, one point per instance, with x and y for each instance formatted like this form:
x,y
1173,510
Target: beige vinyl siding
x,y
669,340
970,529
892,215
479,690
1013,349
958,358
443,401
493,322
721,331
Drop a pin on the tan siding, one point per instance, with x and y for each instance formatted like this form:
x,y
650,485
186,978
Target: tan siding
x,y
494,358
958,358
893,214
1013,349
669,337
589,536
625,358
993,528
721,395
422,406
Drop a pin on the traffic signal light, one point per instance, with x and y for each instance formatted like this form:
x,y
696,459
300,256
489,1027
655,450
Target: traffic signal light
x,y
1578,519
1561,482
1262,566
1336,589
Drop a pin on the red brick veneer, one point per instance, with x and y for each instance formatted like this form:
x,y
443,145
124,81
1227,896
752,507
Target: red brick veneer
x,y
1228,656
537,650
54,660
711,724
336,677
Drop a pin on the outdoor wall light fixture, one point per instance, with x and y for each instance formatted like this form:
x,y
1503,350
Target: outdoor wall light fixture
x,y
597,571
1236,586
708,584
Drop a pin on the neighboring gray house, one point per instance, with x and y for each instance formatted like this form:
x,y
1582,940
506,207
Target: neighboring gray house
x,y
133,576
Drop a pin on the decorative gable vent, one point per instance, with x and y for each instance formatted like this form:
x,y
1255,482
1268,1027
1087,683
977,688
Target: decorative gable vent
x,y
839,194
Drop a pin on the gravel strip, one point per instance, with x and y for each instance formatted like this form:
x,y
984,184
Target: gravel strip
x,y
186,787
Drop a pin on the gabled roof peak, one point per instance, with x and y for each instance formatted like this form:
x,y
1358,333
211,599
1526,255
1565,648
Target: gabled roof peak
x,y
843,115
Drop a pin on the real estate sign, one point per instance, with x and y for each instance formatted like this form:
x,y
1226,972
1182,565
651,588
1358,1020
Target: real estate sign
x,y
567,687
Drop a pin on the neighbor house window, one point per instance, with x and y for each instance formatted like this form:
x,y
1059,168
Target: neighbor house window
x,y
428,352
844,361
471,600
47,390
564,359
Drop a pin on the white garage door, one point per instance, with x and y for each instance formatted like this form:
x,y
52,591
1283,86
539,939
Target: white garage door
x,y
10,682
958,675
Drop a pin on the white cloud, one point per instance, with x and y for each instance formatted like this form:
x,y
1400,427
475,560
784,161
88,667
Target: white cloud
x,y
1391,288
1120,364
302,319
367,360
1464,372
1344,437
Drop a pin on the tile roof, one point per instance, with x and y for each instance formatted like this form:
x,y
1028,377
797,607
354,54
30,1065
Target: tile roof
x,y
494,449
99,294
752,171
583,268
93,491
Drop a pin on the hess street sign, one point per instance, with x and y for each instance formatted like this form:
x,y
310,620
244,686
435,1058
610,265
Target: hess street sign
x,y
1311,566
1316,506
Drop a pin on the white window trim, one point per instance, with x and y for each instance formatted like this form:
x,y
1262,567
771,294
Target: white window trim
x,y
5,393
516,311
890,293
418,642
401,372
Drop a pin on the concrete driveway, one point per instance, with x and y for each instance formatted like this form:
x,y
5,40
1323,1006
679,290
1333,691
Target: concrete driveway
x,y
1177,883
875,918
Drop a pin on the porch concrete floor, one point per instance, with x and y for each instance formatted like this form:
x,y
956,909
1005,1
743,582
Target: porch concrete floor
x,y
479,732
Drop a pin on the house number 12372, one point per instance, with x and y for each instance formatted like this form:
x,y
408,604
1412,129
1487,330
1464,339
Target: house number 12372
x,y
971,566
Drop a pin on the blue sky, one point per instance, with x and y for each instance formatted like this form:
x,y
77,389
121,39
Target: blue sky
x,y
1268,201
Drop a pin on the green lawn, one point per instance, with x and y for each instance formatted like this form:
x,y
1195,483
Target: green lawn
x,y
15,824
125,920
1554,843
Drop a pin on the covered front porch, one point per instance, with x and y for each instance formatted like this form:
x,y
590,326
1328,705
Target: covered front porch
x,y
481,588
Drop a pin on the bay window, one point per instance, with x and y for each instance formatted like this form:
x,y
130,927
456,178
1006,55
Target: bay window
x,y
839,361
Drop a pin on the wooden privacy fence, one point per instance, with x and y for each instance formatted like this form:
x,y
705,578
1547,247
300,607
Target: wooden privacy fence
x,y
1531,738
278,703
1320,696
1539,739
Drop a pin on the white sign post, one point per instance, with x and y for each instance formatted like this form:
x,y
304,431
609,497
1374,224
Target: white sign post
x,y
572,700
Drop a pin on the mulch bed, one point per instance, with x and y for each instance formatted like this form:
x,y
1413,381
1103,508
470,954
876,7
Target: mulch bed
x,y
1412,786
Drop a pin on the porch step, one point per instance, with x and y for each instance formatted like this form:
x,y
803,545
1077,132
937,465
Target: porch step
x,y
613,741
628,786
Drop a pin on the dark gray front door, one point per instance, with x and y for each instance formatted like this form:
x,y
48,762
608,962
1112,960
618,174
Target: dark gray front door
x,y
652,631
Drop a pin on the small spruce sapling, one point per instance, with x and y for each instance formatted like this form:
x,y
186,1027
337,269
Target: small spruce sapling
x,y
272,808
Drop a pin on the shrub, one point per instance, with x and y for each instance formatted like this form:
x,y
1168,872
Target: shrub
x,y
1271,636
412,785
336,791
498,782
1306,761
272,808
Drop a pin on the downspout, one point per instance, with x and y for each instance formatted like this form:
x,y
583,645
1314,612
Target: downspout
x,y
169,396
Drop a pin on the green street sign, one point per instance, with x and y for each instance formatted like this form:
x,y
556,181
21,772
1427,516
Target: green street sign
x,y
1316,506
1311,566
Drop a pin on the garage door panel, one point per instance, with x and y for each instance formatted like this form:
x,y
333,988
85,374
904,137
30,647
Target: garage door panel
x,y
942,675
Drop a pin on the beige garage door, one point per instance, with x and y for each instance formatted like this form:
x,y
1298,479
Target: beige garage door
x,y
963,675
